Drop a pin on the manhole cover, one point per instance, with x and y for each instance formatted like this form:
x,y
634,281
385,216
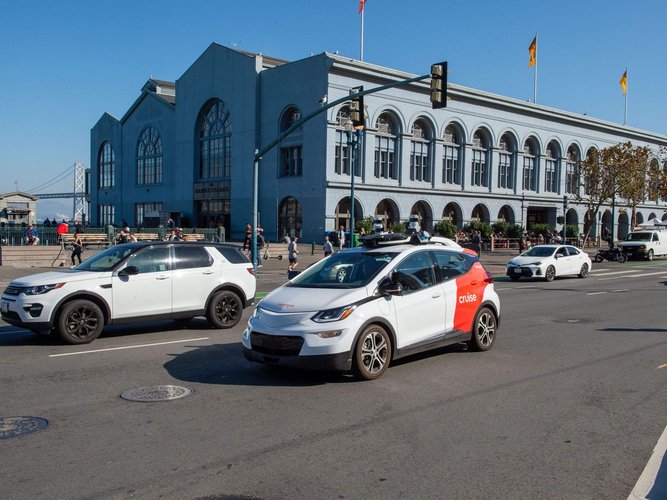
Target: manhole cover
x,y
18,426
156,393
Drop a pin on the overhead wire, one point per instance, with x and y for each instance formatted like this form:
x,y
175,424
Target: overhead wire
x,y
58,178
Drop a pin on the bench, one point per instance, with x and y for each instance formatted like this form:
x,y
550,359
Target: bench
x,y
194,237
146,236
99,239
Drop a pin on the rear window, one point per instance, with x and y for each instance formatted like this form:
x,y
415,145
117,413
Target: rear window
x,y
232,254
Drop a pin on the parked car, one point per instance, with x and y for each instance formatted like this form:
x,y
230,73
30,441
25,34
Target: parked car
x,y
549,262
134,282
394,300
414,224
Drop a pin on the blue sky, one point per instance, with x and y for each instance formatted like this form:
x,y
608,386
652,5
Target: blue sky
x,y
66,63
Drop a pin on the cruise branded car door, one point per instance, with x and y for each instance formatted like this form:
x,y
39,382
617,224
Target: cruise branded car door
x,y
460,290
195,275
147,293
420,310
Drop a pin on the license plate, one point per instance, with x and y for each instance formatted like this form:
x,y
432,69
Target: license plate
x,y
4,306
628,254
516,270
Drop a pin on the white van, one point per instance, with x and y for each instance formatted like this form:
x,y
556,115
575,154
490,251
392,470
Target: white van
x,y
644,244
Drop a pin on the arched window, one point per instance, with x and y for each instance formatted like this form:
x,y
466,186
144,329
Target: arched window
x,y
572,170
506,162
342,156
420,146
451,158
149,157
106,166
480,160
551,167
291,152
386,147
215,142
289,217
530,165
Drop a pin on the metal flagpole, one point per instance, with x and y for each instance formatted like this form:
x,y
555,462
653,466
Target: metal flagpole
x,y
535,74
625,94
361,52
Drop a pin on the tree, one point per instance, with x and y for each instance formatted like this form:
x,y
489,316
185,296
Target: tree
x,y
597,174
635,175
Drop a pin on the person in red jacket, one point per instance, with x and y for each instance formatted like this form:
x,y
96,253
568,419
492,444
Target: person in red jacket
x,y
62,229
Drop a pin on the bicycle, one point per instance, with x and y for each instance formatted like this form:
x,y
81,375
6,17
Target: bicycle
x,y
268,255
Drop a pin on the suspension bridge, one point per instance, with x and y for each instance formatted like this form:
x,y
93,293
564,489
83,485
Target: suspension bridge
x,y
77,172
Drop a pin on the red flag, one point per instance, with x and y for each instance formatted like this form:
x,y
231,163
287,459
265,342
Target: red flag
x,y
361,6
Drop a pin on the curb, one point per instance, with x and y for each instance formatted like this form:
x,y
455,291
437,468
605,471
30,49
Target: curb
x,y
652,484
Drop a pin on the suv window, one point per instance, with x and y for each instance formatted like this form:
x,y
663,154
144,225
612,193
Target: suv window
x,y
151,260
187,257
232,254
415,272
450,265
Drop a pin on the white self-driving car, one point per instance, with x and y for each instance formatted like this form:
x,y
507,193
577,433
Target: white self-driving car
x,y
548,262
396,298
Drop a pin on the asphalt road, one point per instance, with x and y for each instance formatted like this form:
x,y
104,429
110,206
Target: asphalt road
x,y
568,404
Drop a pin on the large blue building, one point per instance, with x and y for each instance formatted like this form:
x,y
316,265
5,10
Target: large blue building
x,y
185,150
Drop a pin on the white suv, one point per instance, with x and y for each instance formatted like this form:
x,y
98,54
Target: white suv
x,y
134,282
396,297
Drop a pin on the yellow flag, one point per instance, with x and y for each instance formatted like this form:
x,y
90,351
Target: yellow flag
x,y
532,50
624,82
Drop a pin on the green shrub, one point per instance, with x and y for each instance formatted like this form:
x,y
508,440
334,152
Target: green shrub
x,y
399,227
366,223
500,227
514,231
543,229
482,227
446,228
572,230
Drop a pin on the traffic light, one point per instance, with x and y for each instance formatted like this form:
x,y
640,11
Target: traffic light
x,y
439,85
565,205
357,111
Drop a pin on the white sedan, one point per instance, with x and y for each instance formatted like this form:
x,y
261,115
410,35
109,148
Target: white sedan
x,y
549,261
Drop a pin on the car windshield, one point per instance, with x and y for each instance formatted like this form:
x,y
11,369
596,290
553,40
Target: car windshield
x,y
638,237
539,251
107,259
344,270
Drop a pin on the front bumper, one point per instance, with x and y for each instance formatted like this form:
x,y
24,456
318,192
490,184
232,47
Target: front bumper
x,y
32,315
325,362
524,271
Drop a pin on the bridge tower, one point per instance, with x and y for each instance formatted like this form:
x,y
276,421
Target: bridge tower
x,y
79,191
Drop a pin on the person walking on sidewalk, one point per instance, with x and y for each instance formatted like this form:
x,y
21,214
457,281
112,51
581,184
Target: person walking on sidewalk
x,y
327,247
293,255
77,248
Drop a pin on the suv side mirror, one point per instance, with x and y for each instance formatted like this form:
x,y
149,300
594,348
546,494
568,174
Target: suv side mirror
x,y
129,271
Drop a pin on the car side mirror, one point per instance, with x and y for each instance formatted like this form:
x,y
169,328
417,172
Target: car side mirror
x,y
393,277
129,271
388,287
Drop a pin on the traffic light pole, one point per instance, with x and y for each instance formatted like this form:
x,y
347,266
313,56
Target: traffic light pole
x,y
259,153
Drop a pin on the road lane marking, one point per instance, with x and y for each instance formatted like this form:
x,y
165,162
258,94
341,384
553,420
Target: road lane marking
x,y
595,293
126,347
662,366
631,276
613,272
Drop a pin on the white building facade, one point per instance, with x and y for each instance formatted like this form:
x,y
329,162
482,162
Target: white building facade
x,y
186,150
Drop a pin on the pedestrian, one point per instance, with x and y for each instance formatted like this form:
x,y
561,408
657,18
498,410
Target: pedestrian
x,y
248,237
477,241
31,236
341,238
62,230
170,223
78,228
293,255
327,247
77,248
522,244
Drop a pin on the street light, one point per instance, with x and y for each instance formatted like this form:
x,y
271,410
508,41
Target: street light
x,y
353,135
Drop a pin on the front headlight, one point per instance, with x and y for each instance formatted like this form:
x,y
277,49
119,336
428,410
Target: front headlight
x,y
337,314
538,263
41,289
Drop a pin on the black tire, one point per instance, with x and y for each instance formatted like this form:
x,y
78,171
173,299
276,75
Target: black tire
x,y
622,258
649,255
484,330
583,273
225,309
372,354
599,258
550,273
514,278
80,322
280,257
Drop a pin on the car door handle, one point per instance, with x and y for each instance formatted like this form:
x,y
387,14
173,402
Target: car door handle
x,y
208,272
473,283
435,295
162,278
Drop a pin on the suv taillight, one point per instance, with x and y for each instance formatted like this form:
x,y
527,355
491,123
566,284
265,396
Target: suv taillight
x,y
251,270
